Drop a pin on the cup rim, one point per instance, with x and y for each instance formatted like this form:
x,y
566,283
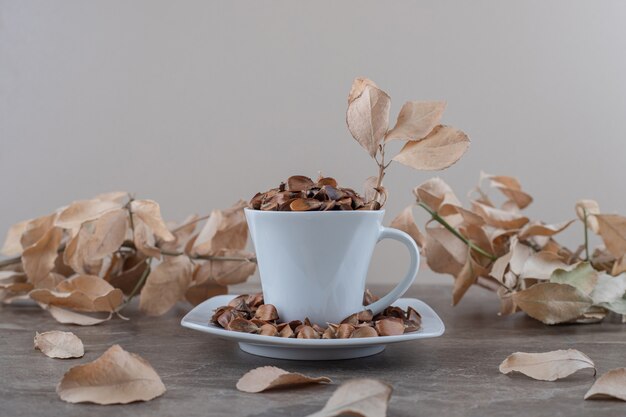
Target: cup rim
x,y
314,212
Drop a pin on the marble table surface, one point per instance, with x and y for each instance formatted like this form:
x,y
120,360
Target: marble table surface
x,y
454,375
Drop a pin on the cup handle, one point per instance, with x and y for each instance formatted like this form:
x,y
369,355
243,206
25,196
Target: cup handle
x,y
400,289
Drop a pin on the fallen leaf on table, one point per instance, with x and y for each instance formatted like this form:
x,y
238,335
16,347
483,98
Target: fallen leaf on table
x,y
83,293
116,377
583,277
442,147
610,385
612,230
547,366
592,208
56,344
271,377
405,222
368,114
358,397
416,120
166,284
552,303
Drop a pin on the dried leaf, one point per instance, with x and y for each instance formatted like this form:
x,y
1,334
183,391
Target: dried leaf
x,y
547,366
38,259
71,317
359,397
552,303
109,232
368,114
270,377
225,229
167,283
583,277
82,293
199,293
438,196
416,120
82,211
511,188
145,240
592,208
500,218
56,344
610,385
227,272
612,230
116,377
610,293
441,148
445,253
466,278
12,245
538,229
542,264
36,229
149,212
405,222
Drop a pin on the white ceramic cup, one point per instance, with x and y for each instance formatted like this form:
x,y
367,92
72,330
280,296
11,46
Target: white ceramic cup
x,y
314,264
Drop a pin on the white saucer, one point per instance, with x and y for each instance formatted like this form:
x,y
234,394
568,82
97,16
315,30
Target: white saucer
x,y
311,349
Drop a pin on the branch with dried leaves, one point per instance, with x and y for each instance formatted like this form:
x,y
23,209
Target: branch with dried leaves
x,y
93,256
497,247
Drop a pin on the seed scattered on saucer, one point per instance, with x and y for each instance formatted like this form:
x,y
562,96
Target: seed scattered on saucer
x,y
249,314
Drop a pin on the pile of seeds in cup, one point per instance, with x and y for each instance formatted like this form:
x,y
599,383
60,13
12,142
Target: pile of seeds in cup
x,y
248,314
301,193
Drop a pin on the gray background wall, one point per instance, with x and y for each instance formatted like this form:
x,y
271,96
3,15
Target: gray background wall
x,y
198,103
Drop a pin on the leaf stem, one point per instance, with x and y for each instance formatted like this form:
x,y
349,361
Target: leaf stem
x,y
586,235
210,257
456,233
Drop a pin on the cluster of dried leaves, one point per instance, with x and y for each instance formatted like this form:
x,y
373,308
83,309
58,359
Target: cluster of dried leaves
x,y
300,193
551,366
93,256
496,246
248,314
362,397
428,145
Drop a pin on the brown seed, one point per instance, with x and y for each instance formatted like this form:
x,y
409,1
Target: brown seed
x,y
369,298
258,322
286,331
351,319
327,181
255,300
390,327
236,302
333,193
294,324
266,312
307,332
365,331
329,333
365,315
299,183
394,312
345,203
239,324
256,201
344,331
329,205
413,322
269,206
268,330
305,204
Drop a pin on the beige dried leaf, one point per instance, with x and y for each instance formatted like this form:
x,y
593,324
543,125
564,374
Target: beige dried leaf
x,y
83,293
149,212
416,120
201,292
38,260
362,397
610,385
405,222
167,283
182,234
36,229
445,253
466,278
547,366
109,232
12,245
511,188
582,276
271,377
116,377
538,229
227,272
145,241
56,344
441,148
542,264
592,208
82,211
71,317
499,218
225,229
612,230
368,114
552,303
